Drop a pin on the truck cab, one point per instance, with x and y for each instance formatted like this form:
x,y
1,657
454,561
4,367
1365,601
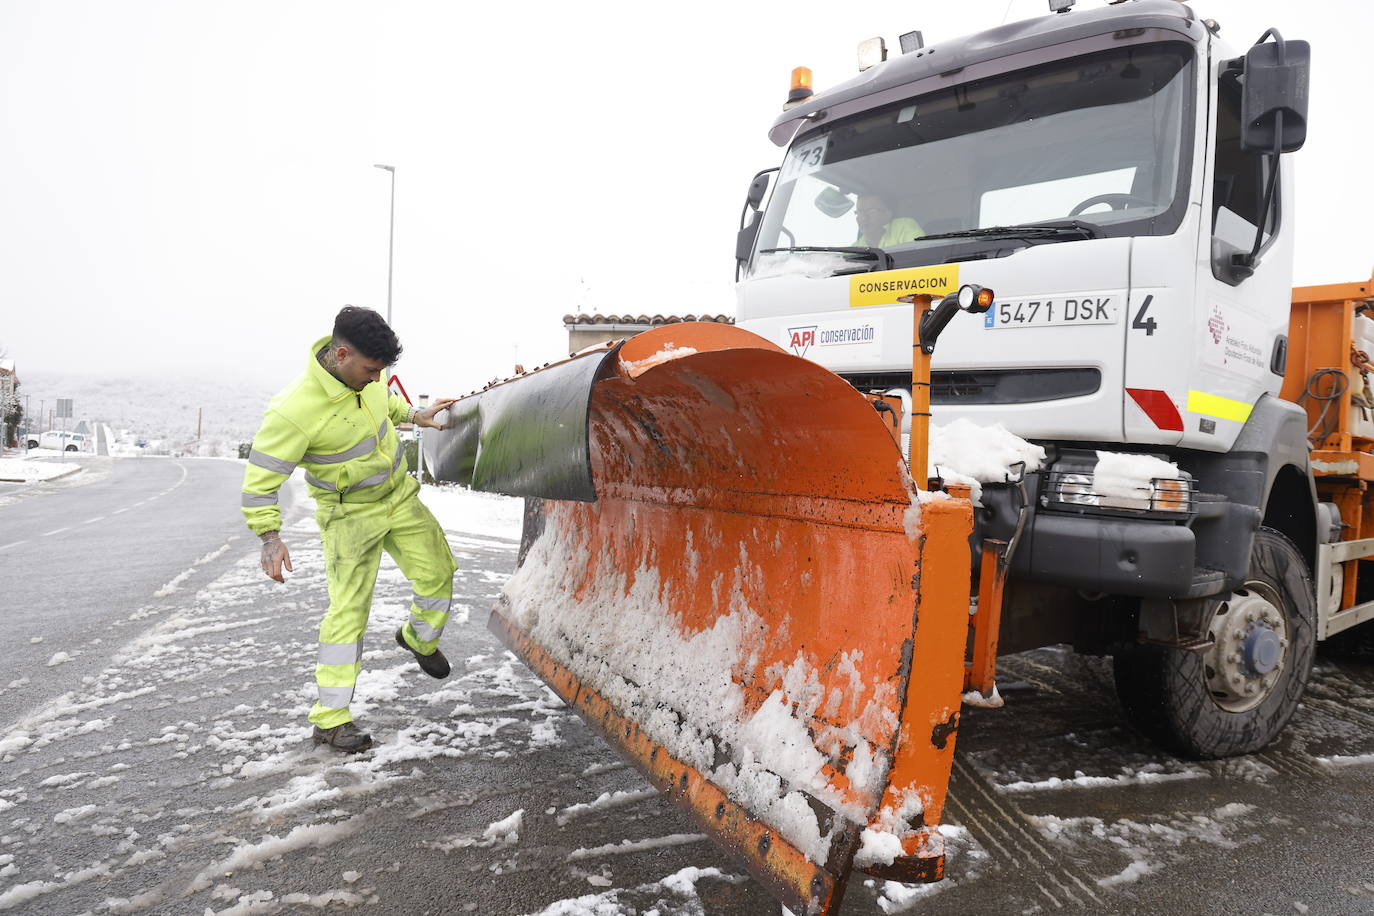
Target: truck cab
x,y
1119,176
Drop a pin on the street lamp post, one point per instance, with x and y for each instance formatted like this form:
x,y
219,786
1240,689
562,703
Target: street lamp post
x,y
420,444
391,237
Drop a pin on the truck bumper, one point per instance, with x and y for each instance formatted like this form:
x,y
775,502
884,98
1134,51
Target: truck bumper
x,y
1117,556
1142,557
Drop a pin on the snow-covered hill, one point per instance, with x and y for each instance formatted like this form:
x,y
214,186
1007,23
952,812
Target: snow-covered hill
x,y
159,409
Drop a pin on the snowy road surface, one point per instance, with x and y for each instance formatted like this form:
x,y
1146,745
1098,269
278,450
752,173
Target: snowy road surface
x,y
80,554
177,776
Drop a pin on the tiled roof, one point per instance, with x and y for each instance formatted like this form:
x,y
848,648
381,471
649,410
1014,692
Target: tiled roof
x,y
646,320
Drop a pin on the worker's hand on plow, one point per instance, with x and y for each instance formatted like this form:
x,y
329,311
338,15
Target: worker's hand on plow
x,y
426,416
275,556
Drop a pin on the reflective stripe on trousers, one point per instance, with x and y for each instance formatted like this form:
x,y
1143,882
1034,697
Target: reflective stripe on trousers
x,y
354,536
428,615
336,672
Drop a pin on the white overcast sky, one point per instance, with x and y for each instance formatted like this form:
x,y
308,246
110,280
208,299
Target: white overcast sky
x,y
188,186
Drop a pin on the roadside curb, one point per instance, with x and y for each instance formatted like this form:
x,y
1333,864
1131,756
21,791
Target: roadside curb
x,y
44,480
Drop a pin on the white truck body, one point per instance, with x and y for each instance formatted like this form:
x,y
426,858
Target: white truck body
x,y
1205,344
1120,178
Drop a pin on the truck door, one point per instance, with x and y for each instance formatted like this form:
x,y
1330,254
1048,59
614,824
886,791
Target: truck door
x,y
1236,320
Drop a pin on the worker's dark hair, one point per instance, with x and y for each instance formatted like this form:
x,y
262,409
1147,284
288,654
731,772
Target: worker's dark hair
x,y
367,332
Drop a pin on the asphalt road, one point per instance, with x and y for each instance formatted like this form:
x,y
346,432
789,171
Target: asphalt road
x,y
81,553
179,778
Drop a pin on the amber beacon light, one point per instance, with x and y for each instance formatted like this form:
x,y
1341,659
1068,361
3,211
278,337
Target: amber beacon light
x,y
801,85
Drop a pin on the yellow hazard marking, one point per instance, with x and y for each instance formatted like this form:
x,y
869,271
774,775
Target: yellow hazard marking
x,y
885,287
1215,406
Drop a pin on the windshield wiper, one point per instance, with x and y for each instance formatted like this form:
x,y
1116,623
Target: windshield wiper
x,y
860,252
1057,229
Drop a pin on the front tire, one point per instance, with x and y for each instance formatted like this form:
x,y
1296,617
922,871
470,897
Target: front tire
x,y
1236,697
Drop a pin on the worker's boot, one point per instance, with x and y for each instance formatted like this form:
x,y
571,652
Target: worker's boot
x,y
433,664
347,737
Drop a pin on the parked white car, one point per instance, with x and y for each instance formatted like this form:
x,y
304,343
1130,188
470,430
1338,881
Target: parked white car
x,y
63,442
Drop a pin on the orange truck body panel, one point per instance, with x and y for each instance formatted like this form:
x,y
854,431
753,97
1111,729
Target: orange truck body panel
x,y
1321,339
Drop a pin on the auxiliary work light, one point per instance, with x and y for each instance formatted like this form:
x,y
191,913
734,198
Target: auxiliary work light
x,y
872,52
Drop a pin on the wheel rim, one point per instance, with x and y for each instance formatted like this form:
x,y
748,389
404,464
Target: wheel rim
x,y
1249,651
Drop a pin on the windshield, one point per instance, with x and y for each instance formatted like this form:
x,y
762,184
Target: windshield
x,y
1095,141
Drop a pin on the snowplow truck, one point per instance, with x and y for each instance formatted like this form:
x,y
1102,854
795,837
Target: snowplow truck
x,y
754,566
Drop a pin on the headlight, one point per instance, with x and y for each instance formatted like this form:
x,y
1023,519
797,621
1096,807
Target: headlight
x,y
1174,495
1076,489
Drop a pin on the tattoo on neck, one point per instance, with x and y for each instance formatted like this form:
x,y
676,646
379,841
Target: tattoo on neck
x,y
328,358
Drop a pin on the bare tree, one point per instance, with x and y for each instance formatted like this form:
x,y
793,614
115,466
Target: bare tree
x,y
11,408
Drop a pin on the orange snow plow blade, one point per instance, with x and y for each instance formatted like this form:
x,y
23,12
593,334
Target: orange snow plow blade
x,y
740,593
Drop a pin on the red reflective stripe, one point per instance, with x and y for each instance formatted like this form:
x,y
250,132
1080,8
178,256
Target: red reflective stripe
x,y
1158,406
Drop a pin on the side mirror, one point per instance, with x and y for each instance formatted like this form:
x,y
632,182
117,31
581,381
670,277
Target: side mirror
x,y
748,233
833,202
757,189
1273,106
745,240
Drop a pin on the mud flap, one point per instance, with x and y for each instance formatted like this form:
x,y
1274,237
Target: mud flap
x,y
741,593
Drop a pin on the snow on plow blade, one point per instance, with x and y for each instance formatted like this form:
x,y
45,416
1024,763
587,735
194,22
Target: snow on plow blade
x,y
726,575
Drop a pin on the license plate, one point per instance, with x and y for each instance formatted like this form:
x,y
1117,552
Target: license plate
x,y
1059,312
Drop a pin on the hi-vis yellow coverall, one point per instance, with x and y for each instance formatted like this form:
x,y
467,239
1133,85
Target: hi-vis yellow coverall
x,y
365,503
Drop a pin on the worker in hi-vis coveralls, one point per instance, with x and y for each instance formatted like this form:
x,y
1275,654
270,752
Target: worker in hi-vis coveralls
x,y
337,421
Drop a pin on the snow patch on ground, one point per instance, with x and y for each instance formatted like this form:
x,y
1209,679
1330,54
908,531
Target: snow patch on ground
x,y
1086,760
32,890
174,585
628,846
1346,760
472,512
28,470
675,894
304,836
1150,773
1149,847
505,832
605,802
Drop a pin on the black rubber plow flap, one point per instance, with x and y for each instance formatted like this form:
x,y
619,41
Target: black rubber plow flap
x,y
526,436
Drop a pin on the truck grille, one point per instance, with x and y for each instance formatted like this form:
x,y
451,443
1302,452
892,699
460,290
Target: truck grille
x,y
990,386
1012,386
